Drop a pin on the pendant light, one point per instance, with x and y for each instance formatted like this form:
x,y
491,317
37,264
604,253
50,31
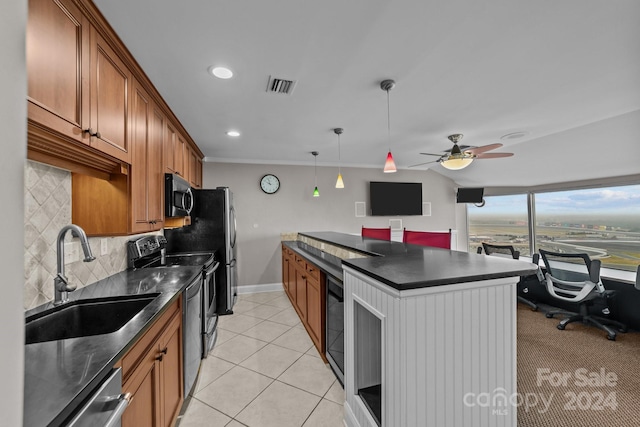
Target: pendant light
x,y
339,181
316,193
389,164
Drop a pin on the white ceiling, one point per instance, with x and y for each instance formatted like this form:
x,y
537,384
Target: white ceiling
x,y
481,68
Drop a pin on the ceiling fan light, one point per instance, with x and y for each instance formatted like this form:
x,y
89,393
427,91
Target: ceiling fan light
x,y
390,165
455,164
339,181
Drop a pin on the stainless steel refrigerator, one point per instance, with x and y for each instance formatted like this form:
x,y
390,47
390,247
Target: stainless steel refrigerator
x,y
213,228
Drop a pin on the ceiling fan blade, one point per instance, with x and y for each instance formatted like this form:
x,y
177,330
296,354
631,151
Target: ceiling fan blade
x,y
422,164
493,155
484,148
431,154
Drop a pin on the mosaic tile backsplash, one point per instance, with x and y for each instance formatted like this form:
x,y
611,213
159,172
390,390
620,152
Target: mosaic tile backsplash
x,y
47,208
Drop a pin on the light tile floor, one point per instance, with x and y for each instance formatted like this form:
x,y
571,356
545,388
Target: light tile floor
x,y
264,371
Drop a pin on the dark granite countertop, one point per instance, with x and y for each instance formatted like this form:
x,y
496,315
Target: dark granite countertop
x,y
404,266
59,375
325,262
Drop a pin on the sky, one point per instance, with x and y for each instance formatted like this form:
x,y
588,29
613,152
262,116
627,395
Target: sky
x,y
623,200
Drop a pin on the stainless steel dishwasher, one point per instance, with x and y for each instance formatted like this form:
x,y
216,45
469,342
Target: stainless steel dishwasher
x,y
105,406
192,336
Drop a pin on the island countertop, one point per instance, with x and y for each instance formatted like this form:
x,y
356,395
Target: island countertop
x,y
60,374
404,266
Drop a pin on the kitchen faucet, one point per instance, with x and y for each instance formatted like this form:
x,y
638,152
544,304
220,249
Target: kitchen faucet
x,y
61,285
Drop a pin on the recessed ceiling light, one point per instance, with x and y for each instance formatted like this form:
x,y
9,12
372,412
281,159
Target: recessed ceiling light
x,y
514,135
221,72
233,133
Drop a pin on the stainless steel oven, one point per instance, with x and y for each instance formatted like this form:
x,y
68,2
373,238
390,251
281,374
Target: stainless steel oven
x,y
335,326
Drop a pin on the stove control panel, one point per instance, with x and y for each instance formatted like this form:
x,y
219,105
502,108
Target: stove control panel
x,y
143,247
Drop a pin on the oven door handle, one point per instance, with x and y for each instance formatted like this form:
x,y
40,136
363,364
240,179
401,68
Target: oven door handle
x,y
212,269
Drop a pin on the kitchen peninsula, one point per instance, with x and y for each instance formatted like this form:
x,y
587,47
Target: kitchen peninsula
x,y
425,330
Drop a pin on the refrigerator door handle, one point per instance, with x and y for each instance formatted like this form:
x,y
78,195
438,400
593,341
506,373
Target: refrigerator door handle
x,y
232,263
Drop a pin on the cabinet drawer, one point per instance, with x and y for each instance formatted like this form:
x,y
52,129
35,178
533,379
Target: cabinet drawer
x,y
137,352
300,261
312,271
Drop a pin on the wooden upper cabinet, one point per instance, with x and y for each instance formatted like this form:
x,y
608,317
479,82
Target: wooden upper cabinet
x,y
110,85
194,170
170,137
175,156
58,67
147,124
140,123
199,173
78,85
155,171
179,156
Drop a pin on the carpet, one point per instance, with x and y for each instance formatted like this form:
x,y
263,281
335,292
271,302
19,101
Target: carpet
x,y
575,377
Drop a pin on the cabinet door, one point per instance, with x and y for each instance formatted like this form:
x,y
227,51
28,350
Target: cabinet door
x,y
179,156
170,141
314,311
198,172
285,270
58,66
144,386
140,120
291,284
110,89
301,293
171,371
193,167
155,175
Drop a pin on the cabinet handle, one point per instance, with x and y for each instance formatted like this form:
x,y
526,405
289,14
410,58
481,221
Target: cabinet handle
x,y
92,133
304,277
159,358
164,351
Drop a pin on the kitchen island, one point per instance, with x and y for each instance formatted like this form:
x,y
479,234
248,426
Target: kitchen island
x,y
427,331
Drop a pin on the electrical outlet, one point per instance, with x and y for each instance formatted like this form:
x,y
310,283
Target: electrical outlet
x,y
71,252
104,246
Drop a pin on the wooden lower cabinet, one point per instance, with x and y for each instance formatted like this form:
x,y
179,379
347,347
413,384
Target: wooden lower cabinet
x,y
152,373
305,286
314,310
301,294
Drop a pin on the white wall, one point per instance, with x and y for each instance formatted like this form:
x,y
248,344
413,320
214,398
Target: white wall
x,y
261,217
13,87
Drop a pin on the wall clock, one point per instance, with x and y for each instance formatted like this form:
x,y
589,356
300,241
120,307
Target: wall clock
x,y
269,183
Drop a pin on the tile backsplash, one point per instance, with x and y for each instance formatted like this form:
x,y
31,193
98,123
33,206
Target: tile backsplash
x,y
47,208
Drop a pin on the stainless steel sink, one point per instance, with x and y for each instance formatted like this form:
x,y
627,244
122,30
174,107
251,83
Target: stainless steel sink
x,y
85,318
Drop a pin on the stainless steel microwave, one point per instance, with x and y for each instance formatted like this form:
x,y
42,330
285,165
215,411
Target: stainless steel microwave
x,y
178,198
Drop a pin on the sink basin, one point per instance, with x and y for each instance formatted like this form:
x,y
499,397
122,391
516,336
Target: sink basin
x,y
84,318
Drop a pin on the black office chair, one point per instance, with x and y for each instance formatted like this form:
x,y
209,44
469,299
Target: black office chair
x,y
578,282
508,251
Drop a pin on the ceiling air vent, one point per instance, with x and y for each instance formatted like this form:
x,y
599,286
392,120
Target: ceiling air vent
x,y
282,86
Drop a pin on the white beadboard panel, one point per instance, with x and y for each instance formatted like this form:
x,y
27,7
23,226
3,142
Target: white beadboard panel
x,y
438,345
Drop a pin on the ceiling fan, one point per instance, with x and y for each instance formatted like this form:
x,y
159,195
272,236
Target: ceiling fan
x,y
460,157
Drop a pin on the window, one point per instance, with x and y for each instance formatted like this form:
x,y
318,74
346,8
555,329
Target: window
x,y
502,220
603,222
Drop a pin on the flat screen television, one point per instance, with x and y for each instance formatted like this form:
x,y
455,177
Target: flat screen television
x,y
470,195
395,198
